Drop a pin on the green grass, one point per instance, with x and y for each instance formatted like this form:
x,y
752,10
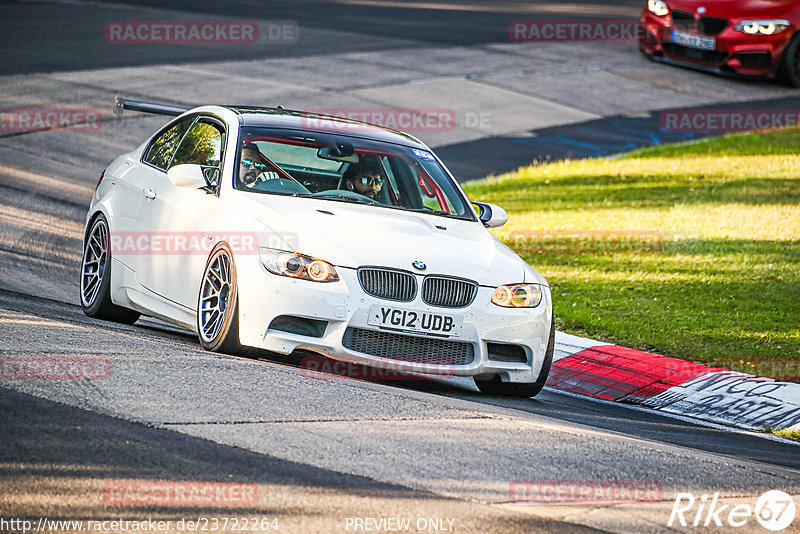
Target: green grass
x,y
717,277
789,433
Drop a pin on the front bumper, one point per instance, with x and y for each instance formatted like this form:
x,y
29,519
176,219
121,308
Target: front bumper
x,y
735,53
343,307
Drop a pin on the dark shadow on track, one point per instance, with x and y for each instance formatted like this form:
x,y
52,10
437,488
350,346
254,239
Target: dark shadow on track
x,y
110,469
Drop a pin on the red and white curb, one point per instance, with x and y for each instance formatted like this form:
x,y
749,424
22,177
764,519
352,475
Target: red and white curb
x,y
620,374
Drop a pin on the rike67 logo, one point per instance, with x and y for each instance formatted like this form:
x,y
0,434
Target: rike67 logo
x,y
774,510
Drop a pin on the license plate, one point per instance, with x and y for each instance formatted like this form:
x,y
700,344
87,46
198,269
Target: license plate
x,y
691,40
414,321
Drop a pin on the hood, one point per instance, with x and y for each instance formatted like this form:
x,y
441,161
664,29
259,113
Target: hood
x,y
352,235
738,9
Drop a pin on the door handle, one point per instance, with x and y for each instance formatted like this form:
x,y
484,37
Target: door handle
x,y
149,193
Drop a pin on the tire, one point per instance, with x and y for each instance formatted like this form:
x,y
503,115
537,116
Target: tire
x,y
495,386
789,69
95,283
218,303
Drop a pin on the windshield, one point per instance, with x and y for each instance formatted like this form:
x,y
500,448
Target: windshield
x,y
346,169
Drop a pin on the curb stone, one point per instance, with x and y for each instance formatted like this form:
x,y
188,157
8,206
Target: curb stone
x,y
713,394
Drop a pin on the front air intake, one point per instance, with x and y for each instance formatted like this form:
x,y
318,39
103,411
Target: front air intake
x,y
414,349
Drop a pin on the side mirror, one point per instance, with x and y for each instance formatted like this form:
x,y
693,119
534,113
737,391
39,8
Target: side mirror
x,y
490,215
190,176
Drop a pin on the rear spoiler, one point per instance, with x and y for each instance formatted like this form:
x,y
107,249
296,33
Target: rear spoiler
x,y
121,104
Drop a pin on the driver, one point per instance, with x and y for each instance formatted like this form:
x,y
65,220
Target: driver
x,y
251,170
364,178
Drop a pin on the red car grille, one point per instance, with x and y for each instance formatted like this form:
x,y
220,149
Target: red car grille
x,y
685,21
702,56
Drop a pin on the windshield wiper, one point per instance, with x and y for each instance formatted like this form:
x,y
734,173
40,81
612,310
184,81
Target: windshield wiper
x,y
282,193
347,199
438,213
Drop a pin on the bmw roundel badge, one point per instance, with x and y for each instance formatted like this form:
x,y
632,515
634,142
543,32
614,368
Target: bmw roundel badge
x,y
418,265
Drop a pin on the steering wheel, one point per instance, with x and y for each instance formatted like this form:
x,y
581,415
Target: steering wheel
x,y
268,175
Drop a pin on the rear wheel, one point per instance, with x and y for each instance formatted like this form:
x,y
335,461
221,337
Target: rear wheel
x,y
789,70
96,277
495,386
218,304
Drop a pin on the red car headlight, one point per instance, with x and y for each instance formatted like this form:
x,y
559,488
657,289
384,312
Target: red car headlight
x,y
657,7
762,27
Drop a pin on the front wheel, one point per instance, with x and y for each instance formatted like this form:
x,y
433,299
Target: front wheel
x,y
218,303
95,283
495,386
789,70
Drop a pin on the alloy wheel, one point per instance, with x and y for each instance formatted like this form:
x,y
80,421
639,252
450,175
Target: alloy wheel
x,y
94,265
215,296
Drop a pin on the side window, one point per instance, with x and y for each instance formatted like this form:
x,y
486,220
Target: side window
x,y
202,145
161,150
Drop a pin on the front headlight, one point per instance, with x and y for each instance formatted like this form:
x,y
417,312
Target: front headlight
x,y
518,296
296,265
657,7
762,27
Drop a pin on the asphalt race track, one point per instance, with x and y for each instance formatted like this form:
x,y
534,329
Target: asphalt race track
x,y
320,448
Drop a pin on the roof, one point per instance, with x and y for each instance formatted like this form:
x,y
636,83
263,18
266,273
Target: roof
x,y
314,122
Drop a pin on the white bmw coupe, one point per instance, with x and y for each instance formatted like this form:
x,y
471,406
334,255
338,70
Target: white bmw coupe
x,y
284,230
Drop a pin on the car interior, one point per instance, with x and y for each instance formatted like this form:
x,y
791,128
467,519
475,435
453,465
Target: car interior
x,y
307,168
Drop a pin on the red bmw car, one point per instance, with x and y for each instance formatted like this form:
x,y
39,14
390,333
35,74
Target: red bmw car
x,y
738,37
